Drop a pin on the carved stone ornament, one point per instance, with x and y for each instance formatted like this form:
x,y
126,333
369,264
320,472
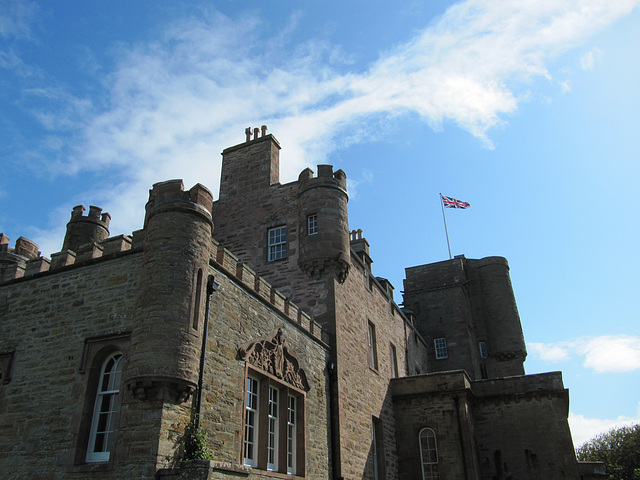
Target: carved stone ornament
x,y
272,355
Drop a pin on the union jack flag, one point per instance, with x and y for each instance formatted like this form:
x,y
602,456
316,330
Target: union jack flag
x,y
450,202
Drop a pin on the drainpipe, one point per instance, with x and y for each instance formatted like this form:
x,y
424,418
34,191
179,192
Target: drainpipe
x,y
335,422
212,286
464,457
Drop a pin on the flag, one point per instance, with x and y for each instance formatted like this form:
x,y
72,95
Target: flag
x,y
450,202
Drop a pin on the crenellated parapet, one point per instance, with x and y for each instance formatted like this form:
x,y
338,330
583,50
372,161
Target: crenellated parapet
x,y
13,261
171,196
224,260
83,229
326,178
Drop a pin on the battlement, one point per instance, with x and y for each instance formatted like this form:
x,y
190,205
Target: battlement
x,y
86,229
171,195
326,178
95,215
28,249
247,278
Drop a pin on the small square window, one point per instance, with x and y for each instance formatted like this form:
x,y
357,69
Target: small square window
x,y
312,224
441,348
277,242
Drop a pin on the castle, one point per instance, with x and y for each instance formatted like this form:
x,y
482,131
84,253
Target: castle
x,y
257,316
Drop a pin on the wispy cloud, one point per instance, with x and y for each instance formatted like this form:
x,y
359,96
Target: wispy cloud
x,y
173,104
584,429
16,17
588,60
608,353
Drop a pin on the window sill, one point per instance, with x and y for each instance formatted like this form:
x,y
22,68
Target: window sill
x,y
270,474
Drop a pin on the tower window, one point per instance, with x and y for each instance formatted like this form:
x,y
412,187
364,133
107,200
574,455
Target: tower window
x,y
277,242
483,350
312,224
441,348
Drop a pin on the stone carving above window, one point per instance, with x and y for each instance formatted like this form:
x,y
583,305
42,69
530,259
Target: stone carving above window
x,y
273,355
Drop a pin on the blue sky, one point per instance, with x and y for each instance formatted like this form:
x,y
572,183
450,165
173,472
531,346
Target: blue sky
x,y
529,110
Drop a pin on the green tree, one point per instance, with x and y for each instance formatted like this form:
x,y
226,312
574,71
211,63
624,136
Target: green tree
x,y
618,449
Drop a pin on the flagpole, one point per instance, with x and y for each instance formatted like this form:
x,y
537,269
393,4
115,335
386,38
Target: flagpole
x,y
445,226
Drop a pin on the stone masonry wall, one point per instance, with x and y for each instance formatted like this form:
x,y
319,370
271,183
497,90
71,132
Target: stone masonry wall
x,y
46,321
363,391
237,318
428,401
541,450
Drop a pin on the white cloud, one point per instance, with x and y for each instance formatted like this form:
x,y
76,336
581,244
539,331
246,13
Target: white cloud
x,y
584,429
550,352
172,105
611,353
603,354
587,61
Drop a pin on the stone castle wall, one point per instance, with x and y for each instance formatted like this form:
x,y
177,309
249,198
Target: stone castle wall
x,y
364,390
468,301
59,323
50,323
504,428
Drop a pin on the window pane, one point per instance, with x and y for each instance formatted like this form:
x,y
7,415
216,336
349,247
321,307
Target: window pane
x,y
272,438
312,224
277,243
429,454
441,348
291,435
251,423
105,410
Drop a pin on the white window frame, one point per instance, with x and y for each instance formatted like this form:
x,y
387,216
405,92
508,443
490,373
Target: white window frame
x,y
252,406
278,409
429,465
277,243
273,440
312,224
292,432
105,409
440,345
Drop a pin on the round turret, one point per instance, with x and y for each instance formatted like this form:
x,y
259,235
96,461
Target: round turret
x,y
322,214
507,345
94,228
165,342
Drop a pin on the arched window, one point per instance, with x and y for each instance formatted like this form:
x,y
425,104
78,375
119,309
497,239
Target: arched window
x,y
429,454
105,410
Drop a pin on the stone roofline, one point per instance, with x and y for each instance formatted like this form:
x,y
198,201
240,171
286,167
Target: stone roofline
x,y
121,245
510,389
